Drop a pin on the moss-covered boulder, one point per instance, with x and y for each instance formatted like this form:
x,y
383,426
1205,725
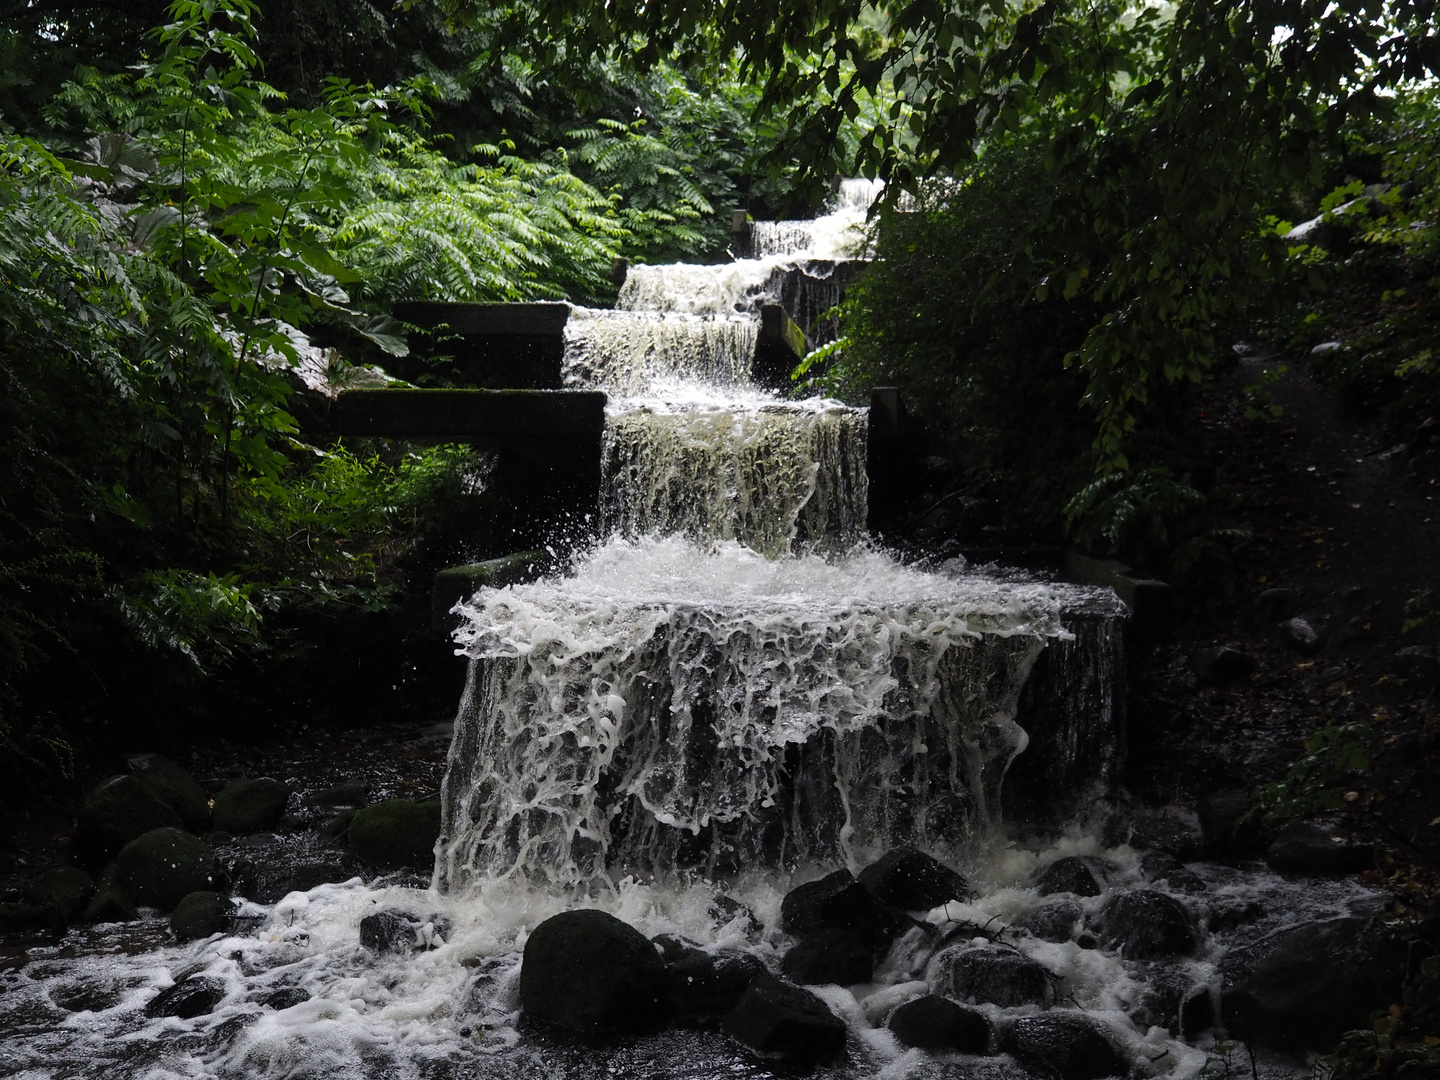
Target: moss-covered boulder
x,y
65,890
248,806
176,788
396,833
159,868
109,902
118,811
200,914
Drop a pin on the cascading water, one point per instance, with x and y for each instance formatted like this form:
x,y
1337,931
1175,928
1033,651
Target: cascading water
x,y
727,697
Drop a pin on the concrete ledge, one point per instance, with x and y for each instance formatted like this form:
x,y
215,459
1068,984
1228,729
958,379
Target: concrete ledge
x,y
538,319
462,582
1150,601
466,415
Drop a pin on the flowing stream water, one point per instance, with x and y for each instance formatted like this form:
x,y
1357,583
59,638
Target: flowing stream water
x,y
728,694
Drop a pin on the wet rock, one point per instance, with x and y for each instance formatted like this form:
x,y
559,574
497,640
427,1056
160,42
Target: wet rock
x,y
117,811
1227,827
247,806
392,930
336,831
1069,874
589,973
286,997
1144,923
1273,605
396,833
159,868
1155,865
911,880
1185,880
939,1025
1172,999
23,919
706,985
341,795
1299,636
86,997
1415,662
1305,848
1053,922
187,999
1065,1046
176,788
1222,665
1296,988
1167,830
830,956
65,890
200,914
301,879
839,902
981,974
785,1024
109,903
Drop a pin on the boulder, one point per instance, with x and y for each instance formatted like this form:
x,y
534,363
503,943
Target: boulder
x,y
65,890
1066,1046
396,833
785,1024
1156,865
838,902
1272,605
392,930
336,831
990,974
1145,923
939,1025
1069,874
1305,848
1055,921
705,985
247,806
1222,665
109,902
1297,988
352,794
117,811
287,997
159,868
1415,661
1165,830
830,956
303,878
1227,827
589,973
188,998
1172,999
911,880
176,788
1299,636
201,914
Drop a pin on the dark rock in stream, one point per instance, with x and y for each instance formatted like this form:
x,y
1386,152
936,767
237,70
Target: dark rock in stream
x,y
341,795
1297,988
705,985
1297,634
785,1024
838,902
994,975
588,973
1144,924
1305,848
939,1025
1065,1046
394,931
1165,830
830,956
1227,827
117,811
303,878
247,806
336,831
1069,874
1223,665
396,833
187,999
1053,922
159,868
286,997
65,890
911,880
176,788
110,903
200,914
1156,865
24,919
1172,999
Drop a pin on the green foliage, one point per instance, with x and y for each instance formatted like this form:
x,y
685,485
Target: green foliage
x,y
1315,782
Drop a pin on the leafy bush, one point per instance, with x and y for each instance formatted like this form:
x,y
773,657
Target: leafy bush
x,y
1315,782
